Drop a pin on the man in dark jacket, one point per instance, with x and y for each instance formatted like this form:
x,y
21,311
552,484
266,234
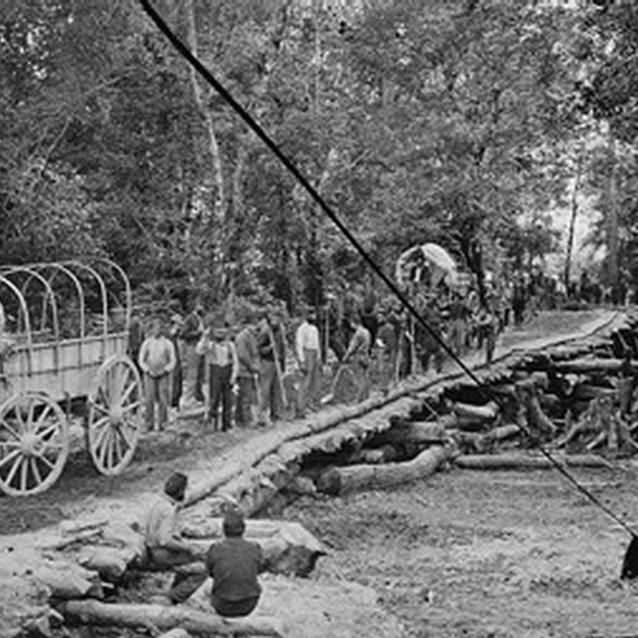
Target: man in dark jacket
x,y
189,335
271,343
234,564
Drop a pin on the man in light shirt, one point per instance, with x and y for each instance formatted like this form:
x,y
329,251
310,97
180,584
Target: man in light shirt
x,y
157,360
308,353
222,364
165,547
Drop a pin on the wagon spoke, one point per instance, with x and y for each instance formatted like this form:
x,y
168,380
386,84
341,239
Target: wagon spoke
x,y
10,429
24,474
100,439
122,378
36,471
131,406
13,470
11,444
45,460
112,440
19,419
43,434
122,431
128,391
107,440
42,417
100,408
100,422
30,424
9,456
118,445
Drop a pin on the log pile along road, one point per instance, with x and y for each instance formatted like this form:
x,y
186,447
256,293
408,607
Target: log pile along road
x,y
372,537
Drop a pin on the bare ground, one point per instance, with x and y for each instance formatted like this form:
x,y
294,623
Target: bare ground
x,y
486,554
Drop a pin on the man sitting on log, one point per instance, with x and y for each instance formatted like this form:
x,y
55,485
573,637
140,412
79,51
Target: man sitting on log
x,y
234,564
166,549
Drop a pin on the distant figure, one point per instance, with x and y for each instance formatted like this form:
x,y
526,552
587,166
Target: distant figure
x,y
247,375
165,547
135,340
234,565
272,353
157,361
176,377
359,354
308,353
189,335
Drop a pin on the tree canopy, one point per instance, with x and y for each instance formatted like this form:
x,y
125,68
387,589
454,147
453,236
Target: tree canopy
x,y
419,120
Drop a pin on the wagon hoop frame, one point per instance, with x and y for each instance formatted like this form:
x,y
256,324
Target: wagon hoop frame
x,y
50,295
70,268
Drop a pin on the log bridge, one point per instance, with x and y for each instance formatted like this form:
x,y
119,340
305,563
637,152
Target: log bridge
x,y
575,395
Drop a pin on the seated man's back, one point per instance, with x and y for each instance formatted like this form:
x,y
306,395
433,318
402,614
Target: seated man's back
x,y
234,564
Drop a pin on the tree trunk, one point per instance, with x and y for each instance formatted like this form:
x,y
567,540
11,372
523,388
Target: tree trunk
x,y
339,480
218,175
525,462
164,618
572,222
612,220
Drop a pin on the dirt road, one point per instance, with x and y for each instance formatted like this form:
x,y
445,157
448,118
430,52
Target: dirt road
x,y
481,554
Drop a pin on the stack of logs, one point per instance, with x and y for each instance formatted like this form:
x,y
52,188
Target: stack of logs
x,y
577,406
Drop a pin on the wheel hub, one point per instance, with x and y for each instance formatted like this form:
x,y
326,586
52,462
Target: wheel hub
x,y
115,415
29,444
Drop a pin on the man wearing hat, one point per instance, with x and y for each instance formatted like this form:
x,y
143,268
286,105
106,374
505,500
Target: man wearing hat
x,y
308,353
222,365
165,547
234,564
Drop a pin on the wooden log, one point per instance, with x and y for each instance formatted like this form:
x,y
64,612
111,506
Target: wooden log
x,y
374,456
414,432
68,580
593,364
532,413
338,480
588,391
483,442
165,618
525,462
110,563
176,633
480,413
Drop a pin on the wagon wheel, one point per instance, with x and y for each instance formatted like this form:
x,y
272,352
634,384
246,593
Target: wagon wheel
x,y
34,444
114,415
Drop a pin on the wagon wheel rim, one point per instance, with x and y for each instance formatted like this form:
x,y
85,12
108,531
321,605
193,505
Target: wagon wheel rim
x,y
34,444
114,419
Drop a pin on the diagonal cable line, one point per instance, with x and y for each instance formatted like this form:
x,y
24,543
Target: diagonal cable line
x,y
185,52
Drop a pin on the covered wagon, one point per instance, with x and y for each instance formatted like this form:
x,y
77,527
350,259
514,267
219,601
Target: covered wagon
x,y
63,356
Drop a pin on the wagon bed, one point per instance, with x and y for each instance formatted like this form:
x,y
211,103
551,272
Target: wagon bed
x,y
44,374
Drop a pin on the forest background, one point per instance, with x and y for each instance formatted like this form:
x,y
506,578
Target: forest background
x,y
465,123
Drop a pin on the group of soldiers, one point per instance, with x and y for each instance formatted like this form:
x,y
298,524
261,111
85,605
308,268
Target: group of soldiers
x,y
236,373
241,373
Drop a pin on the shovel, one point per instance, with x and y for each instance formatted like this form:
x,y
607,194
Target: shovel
x,y
333,386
